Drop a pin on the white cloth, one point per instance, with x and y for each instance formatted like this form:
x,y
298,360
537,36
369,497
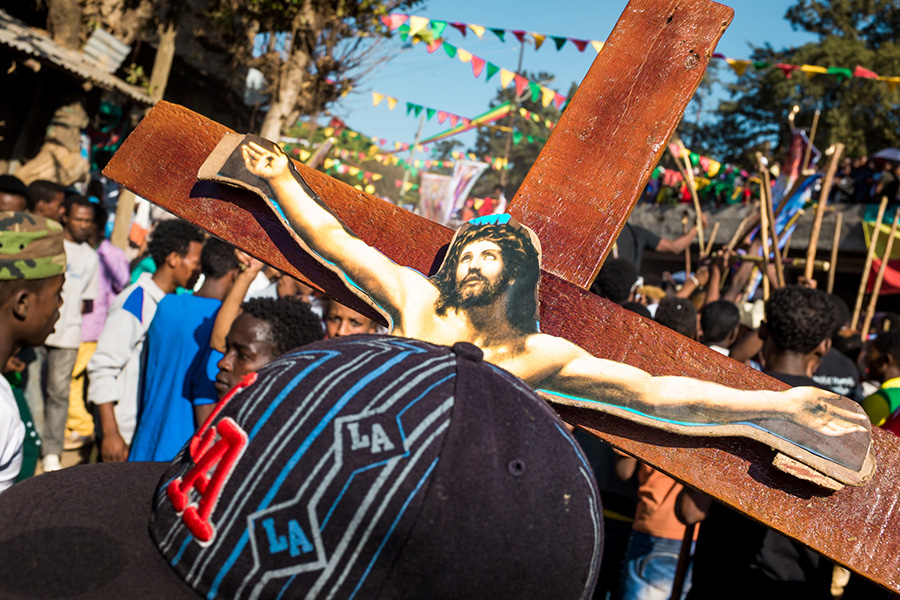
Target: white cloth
x,y
82,267
12,434
720,349
115,368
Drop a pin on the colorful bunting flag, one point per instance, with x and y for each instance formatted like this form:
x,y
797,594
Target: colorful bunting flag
x,y
535,91
429,112
461,27
477,29
520,35
521,84
559,41
547,96
580,44
391,102
491,70
377,98
499,33
417,24
442,116
450,50
434,45
478,65
597,46
438,27
865,73
506,77
538,40
463,55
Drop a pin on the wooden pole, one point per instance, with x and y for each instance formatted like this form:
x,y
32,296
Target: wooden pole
x,y
712,239
766,199
835,242
764,236
873,299
821,265
740,229
122,224
833,160
687,250
688,173
684,561
812,138
871,253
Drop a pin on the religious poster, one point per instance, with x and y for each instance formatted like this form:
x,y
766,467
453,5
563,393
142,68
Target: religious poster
x,y
486,293
434,196
465,174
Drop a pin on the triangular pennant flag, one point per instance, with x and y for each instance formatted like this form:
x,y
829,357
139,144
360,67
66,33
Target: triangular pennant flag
x,y
580,44
461,27
491,70
538,40
477,29
417,24
438,27
442,116
841,73
397,145
377,98
417,108
397,21
505,78
386,19
520,35
403,30
369,189
499,33
463,55
760,65
450,50
382,142
864,73
523,112
739,66
434,45
329,131
788,70
454,119
521,84
304,155
465,122
558,100
812,70
398,182
477,65
891,82
328,162
559,41
429,112
353,170
547,96
409,107
377,176
535,91
530,139
517,137
392,102
597,45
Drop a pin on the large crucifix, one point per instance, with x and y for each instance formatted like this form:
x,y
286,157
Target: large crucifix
x,y
576,198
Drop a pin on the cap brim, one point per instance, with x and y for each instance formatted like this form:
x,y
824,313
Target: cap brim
x,y
83,531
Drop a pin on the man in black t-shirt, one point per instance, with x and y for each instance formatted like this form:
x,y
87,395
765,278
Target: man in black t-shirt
x,y
737,557
634,239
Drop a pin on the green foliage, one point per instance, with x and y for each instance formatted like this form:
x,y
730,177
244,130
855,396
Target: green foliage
x,y
862,114
493,141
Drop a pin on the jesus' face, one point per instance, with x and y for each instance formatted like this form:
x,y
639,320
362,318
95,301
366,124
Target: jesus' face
x,y
479,274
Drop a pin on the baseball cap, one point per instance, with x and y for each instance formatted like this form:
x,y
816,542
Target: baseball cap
x,y
358,467
31,247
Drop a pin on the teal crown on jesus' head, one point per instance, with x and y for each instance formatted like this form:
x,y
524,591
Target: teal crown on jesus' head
x,y
501,219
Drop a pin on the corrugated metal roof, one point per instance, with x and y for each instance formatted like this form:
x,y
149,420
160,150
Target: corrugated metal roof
x,y
19,36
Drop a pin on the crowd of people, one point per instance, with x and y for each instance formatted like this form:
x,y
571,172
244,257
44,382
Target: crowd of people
x,y
145,346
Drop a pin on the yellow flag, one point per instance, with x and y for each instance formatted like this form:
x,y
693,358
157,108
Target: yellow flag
x,y
477,29
463,55
739,66
506,77
377,98
392,102
358,187
547,96
376,176
538,40
328,163
304,155
370,189
813,69
353,170
329,131
417,24
714,167
891,82
407,186
597,45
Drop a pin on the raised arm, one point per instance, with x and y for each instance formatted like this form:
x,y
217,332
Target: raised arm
x,y
312,224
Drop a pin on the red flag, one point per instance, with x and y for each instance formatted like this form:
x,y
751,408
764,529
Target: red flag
x,y
461,27
787,69
891,282
864,73
580,44
558,100
434,45
521,84
520,35
442,116
478,65
454,119
397,21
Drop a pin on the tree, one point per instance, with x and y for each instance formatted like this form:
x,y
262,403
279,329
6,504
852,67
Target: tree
x,y
524,142
328,45
860,113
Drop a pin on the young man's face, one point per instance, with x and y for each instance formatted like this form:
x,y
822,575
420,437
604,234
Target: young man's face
x,y
479,274
43,311
249,347
876,363
341,321
53,209
187,267
79,223
10,201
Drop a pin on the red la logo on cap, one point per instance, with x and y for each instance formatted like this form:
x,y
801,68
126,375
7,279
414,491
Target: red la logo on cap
x,y
214,450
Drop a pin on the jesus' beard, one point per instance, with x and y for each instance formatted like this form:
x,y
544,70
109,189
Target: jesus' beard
x,y
485,296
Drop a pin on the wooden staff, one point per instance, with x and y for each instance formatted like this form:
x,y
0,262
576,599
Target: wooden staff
x,y
766,199
740,229
821,265
812,137
687,250
712,239
876,289
871,253
835,242
688,173
833,161
764,234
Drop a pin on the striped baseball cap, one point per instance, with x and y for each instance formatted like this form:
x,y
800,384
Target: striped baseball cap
x,y
358,467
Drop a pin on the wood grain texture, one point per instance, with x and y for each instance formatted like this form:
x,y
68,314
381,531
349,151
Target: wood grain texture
x,y
599,157
160,159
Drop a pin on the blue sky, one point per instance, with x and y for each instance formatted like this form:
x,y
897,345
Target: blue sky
x,y
435,80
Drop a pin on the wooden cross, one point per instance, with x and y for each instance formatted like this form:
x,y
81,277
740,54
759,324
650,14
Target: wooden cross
x,y
576,198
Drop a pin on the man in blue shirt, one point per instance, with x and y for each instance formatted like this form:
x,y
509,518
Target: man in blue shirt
x,y
179,376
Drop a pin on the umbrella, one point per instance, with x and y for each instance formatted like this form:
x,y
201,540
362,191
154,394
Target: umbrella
x,y
889,154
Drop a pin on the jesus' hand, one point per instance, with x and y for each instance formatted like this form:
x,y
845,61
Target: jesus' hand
x,y
263,163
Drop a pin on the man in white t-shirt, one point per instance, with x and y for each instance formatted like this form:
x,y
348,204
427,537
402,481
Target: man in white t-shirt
x,y
79,292
32,267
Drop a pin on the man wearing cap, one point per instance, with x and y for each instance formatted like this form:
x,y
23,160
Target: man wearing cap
x,y
32,267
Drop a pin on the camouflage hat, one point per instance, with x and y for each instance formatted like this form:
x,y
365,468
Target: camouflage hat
x,y
31,247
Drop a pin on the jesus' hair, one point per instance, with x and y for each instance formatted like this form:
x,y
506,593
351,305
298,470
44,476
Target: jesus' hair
x,y
521,267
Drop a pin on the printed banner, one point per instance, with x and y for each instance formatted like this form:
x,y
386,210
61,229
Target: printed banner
x,y
434,197
465,174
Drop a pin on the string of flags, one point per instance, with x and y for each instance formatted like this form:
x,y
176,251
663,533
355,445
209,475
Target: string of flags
x,y
411,25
